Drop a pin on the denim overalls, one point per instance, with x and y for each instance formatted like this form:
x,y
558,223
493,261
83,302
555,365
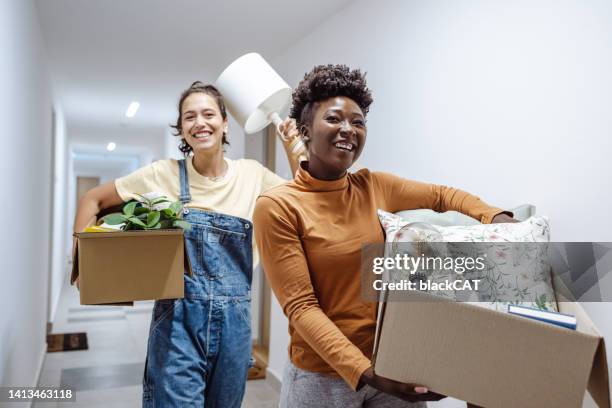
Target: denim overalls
x,y
200,347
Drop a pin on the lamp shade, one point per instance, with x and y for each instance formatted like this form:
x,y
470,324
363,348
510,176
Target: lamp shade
x,y
253,92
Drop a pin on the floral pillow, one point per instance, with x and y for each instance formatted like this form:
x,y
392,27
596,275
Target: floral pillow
x,y
514,272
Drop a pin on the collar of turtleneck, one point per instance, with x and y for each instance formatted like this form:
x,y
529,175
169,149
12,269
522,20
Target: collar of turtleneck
x,y
305,180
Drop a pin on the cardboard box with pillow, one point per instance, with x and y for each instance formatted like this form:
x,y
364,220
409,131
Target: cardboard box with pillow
x,y
483,356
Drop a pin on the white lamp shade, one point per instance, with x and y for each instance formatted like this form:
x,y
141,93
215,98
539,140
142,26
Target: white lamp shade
x,y
252,90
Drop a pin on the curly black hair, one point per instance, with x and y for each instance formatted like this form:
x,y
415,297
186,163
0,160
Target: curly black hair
x,y
327,81
207,89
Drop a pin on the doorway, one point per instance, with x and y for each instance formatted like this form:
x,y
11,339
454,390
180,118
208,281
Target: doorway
x,y
84,184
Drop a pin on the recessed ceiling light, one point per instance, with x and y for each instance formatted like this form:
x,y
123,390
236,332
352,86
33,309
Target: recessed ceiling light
x,y
132,109
111,146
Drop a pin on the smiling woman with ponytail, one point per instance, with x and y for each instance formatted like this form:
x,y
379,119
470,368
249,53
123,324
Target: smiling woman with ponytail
x,y
199,347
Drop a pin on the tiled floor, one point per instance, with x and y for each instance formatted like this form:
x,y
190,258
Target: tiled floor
x,y
109,374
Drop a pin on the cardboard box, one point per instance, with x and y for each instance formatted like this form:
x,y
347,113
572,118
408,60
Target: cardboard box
x,y
489,358
120,267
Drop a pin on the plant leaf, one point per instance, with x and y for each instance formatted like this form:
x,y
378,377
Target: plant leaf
x,y
182,224
153,218
129,226
166,212
135,220
176,207
141,210
166,224
114,219
161,199
156,226
144,201
128,209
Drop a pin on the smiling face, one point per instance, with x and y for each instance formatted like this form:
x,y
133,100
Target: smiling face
x,y
335,137
202,124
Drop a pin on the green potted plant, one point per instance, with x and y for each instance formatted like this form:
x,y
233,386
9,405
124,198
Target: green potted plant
x,y
152,211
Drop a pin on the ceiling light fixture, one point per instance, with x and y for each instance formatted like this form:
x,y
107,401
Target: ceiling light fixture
x,y
111,146
132,109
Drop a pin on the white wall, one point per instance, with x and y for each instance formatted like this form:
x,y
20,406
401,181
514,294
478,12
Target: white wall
x,y
509,100
59,241
25,105
171,144
236,138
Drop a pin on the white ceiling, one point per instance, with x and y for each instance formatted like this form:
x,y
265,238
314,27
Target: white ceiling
x,y
105,53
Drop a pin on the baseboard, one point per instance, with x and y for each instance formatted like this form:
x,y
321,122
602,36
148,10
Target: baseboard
x,y
273,380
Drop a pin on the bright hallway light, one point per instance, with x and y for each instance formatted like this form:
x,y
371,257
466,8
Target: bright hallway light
x,y
111,146
132,109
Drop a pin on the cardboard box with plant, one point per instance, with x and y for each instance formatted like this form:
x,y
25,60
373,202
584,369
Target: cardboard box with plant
x,y
138,254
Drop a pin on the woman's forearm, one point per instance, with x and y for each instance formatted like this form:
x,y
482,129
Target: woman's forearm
x,y
95,200
86,213
87,210
403,194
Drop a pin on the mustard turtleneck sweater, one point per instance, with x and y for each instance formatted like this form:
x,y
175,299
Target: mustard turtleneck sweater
x,y
310,232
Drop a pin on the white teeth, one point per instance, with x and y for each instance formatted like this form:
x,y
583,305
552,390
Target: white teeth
x,y
345,146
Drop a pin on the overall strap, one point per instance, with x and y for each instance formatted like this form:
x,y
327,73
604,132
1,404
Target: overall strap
x,y
184,197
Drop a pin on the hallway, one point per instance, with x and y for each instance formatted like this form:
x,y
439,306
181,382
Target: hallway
x,y
509,100
109,373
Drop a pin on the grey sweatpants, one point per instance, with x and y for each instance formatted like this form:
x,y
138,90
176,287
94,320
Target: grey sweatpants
x,y
306,389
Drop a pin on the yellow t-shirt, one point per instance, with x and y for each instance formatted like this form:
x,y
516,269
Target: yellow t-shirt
x,y
233,194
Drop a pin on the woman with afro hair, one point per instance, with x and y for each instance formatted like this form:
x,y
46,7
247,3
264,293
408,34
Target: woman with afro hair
x,y
310,232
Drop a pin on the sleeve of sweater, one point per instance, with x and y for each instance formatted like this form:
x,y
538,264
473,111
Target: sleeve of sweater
x,y
403,194
286,268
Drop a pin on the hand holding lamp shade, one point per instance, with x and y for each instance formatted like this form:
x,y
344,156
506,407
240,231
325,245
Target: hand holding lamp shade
x,y
254,94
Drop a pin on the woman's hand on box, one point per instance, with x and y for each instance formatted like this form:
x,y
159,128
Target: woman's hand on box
x,y
407,392
502,218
